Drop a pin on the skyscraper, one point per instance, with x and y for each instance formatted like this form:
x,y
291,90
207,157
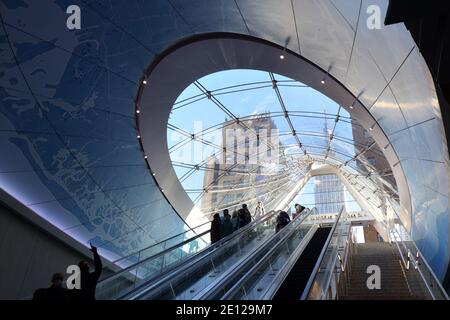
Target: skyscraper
x,y
245,176
329,190
329,194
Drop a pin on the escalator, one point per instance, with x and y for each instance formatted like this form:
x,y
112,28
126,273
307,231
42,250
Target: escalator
x,y
249,279
190,279
293,267
151,270
294,284
254,262
210,277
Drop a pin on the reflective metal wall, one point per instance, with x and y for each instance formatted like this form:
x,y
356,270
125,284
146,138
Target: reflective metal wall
x,y
67,126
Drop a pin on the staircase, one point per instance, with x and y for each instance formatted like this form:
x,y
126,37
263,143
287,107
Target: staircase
x,y
394,283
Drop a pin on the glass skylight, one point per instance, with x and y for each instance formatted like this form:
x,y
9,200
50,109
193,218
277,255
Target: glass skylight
x,y
244,136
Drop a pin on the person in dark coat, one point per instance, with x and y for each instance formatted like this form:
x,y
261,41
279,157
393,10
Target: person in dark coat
x,y
55,292
235,220
245,217
88,280
282,220
215,228
227,227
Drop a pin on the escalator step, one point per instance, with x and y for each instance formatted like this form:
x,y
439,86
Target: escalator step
x,y
294,284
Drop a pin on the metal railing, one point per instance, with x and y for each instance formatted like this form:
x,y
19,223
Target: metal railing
x,y
413,259
343,280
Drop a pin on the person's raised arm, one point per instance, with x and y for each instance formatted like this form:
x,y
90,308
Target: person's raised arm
x,y
97,262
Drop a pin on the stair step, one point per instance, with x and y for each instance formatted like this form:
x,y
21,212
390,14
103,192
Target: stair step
x,y
393,282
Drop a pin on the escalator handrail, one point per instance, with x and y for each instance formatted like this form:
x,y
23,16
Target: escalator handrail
x,y
160,242
321,256
199,253
279,279
155,256
335,259
264,259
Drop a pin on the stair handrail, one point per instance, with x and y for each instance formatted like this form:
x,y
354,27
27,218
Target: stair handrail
x,y
343,262
417,265
316,268
348,260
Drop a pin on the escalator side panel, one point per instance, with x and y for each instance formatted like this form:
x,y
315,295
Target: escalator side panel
x,y
188,280
294,284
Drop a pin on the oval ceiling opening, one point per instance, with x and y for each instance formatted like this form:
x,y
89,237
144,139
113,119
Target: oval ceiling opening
x,y
249,136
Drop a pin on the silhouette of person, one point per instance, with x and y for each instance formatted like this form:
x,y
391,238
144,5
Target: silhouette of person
x,y
379,238
245,216
282,220
55,292
227,227
235,220
215,228
88,280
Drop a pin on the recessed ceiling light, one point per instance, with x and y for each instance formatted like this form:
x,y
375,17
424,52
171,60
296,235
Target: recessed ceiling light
x,y
281,56
138,136
325,76
145,157
144,81
137,111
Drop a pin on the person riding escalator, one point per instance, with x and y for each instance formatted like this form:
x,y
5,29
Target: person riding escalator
x,y
282,220
298,210
245,217
215,228
227,227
